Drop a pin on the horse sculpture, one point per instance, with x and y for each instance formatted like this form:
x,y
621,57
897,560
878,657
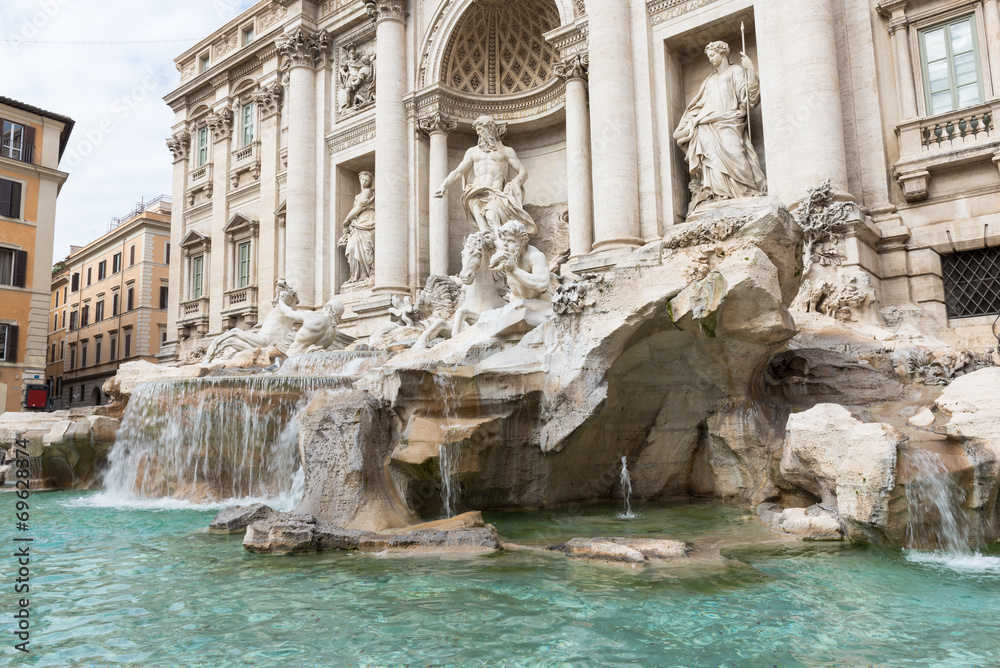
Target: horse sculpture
x,y
482,288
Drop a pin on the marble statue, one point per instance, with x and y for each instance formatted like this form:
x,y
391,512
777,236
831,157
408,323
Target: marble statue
x,y
318,328
490,199
714,135
483,289
437,302
526,267
276,329
358,240
357,79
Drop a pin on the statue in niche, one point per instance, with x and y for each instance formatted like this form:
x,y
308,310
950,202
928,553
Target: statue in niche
x,y
357,79
714,132
276,329
526,267
490,199
358,240
318,329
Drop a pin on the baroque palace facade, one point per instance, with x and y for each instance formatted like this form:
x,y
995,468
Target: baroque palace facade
x,y
282,112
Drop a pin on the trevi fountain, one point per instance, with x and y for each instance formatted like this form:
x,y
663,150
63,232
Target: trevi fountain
x,y
719,450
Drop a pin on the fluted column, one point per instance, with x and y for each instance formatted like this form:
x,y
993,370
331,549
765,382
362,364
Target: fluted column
x,y
800,92
437,126
991,9
391,212
579,183
614,147
302,48
904,70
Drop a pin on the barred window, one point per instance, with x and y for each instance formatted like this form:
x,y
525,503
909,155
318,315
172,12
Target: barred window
x,y
972,282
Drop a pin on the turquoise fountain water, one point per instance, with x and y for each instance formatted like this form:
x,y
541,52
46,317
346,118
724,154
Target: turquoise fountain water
x,y
130,587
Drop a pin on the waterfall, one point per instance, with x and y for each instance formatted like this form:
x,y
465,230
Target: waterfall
x,y
333,363
448,452
934,503
207,440
626,482
448,464
936,519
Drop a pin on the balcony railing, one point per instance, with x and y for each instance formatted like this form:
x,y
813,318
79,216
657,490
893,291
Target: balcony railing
x,y
194,311
247,154
966,125
26,153
200,177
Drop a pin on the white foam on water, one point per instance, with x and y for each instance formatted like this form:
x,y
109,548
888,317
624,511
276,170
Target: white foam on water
x,y
972,563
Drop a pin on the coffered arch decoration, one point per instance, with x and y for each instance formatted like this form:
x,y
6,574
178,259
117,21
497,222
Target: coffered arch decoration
x,y
499,48
460,21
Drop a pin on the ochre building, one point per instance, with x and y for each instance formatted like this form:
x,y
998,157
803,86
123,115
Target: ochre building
x,y
33,141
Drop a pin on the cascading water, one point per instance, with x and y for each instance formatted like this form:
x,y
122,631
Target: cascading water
x,y
333,363
211,439
448,453
626,482
936,519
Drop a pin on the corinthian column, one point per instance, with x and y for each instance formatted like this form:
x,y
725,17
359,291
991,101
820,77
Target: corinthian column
x,y
437,126
800,93
391,213
302,48
578,169
614,144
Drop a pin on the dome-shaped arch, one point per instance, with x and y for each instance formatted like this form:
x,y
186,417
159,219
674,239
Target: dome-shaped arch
x,y
499,48
451,13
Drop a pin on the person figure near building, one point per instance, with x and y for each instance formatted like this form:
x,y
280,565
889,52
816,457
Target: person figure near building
x,y
713,132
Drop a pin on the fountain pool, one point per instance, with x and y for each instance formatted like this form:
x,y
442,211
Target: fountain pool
x,y
141,587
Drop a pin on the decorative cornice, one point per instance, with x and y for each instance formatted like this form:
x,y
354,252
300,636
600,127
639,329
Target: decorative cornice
x,y
359,134
268,99
574,67
661,11
467,108
386,10
304,48
180,145
435,123
221,122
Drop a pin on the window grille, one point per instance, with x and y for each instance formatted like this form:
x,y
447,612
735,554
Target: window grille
x,y
972,282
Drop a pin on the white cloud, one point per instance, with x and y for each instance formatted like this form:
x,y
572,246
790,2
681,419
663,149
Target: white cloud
x,y
117,153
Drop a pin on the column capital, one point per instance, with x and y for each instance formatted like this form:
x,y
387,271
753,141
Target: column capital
x,y
269,99
304,47
575,67
386,10
180,145
436,123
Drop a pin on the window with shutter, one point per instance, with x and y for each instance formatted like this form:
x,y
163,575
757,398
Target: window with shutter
x,y
20,269
102,270
7,266
163,296
130,300
114,305
8,342
131,255
128,344
116,263
90,275
10,198
75,282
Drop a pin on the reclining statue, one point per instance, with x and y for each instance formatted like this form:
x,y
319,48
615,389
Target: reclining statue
x,y
276,329
318,330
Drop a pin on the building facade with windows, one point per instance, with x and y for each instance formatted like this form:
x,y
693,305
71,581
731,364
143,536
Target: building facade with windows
x,y
31,145
108,304
278,112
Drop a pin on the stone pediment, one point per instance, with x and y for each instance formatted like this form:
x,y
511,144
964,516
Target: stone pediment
x,y
241,222
194,239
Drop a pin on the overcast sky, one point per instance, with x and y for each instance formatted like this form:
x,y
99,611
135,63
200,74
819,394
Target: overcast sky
x,y
117,153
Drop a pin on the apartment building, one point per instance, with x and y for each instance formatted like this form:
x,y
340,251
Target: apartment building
x,y
108,304
32,143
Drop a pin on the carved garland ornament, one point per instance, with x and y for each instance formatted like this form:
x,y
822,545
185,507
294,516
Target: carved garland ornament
x,y
386,10
304,48
436,122
574,67
180,145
